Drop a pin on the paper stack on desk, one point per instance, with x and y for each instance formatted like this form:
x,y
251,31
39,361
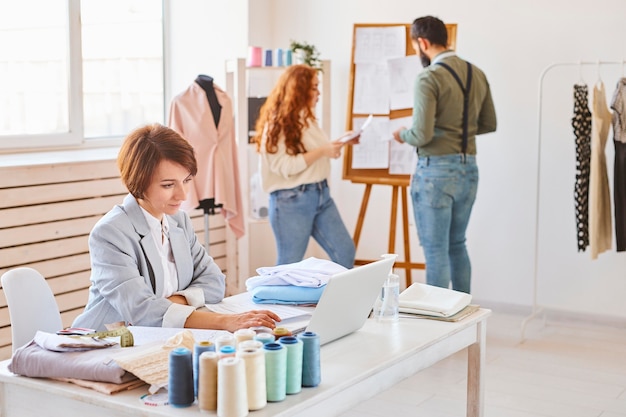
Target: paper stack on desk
x,y
428,300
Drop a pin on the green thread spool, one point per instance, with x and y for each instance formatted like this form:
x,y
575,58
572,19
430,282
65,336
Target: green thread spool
x,y
275,371
294,363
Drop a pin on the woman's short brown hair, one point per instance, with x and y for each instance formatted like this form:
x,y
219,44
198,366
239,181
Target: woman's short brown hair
x,y
142,151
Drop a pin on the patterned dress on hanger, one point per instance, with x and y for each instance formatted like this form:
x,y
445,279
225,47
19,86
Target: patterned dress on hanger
x,y
581,122
600,222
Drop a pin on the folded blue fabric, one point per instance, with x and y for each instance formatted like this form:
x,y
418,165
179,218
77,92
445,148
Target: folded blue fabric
x,y
286,294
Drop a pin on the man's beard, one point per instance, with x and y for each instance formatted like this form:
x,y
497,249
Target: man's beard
x,y
424,58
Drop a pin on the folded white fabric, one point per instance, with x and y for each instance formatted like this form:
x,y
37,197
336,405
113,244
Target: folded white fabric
x,y
310,272
432,301
58,343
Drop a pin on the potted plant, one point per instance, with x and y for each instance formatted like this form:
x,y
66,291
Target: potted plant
x,y
306,53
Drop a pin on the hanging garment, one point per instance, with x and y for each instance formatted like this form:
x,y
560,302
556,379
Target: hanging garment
x,y
600,224
581,122
216,151
619,168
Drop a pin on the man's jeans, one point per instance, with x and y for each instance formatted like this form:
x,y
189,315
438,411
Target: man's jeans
x,y
298,213
443,190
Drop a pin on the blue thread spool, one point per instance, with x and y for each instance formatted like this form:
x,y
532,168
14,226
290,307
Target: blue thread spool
x,y
311,370
275,371
288,57
268,58
227,351
279,57
198,349
294,363
180,379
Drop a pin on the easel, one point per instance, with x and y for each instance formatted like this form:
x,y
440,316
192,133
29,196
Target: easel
x,y
406,264
369,177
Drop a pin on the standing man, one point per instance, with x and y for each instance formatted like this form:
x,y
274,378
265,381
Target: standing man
x,y
452,104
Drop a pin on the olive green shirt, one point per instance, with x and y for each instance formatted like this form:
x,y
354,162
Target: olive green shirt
x,y
438,108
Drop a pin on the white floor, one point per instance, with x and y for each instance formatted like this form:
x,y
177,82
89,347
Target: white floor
x,y
560,370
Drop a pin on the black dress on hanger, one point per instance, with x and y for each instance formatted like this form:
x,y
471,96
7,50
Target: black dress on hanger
x,y
206,82
581,122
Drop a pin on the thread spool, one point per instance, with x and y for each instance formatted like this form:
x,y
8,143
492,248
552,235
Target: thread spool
x,y
243,334
275,371
180,378
280,332
224,340
207,381
255,54
198,349
265,337
227,351
279,57
247,344
268,58
288,57
254,363
232,395
294,363
311,369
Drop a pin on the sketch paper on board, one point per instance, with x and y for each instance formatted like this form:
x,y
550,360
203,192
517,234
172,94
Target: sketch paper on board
x,y
373,148
402,74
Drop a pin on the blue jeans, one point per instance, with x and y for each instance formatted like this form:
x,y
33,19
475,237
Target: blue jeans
x,y
443,190
298,213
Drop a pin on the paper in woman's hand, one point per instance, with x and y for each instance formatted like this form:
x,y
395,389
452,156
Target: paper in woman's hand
x,y
356,133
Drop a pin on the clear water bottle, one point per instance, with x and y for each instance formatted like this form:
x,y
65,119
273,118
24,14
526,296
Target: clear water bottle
x,y
387,305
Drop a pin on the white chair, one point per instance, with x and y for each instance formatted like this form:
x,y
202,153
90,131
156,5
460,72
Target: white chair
x,y
31,305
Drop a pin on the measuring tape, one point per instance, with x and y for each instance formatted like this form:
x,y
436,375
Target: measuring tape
x,y
126,337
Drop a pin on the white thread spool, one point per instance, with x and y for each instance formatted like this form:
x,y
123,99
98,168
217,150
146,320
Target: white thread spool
x,y
243,334
225,340
232,395
254,360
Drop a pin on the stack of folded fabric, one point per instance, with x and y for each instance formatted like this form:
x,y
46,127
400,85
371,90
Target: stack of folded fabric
x,y
428,300
298,283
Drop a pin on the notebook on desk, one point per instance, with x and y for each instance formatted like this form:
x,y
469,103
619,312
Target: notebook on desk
x,y
345,303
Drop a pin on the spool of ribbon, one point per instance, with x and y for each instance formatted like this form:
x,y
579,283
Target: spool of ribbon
x,y
254,363
207,381
311,369
232,394
294,363
180,378
198,349
275,371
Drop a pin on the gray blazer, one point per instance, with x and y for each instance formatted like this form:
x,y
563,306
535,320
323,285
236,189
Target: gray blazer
x,y
127,275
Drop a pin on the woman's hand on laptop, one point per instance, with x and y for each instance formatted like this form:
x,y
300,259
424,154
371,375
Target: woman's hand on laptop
x,y
253,318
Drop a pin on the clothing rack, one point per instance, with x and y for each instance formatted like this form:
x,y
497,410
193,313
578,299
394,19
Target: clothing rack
x,y
537,310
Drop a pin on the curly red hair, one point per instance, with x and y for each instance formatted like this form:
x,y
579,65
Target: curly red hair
x,y
287,110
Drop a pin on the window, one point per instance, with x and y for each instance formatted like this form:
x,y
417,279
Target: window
x,y
73,71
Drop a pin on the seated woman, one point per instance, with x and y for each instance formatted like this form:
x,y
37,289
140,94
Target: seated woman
x,y
147,266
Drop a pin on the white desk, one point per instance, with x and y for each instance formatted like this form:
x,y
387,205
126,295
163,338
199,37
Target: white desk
x,y
354,369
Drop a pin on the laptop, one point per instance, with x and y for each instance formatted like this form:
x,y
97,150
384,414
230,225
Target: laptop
x,y
346,301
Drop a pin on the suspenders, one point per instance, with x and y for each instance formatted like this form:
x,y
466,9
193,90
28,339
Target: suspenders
x,y
466,90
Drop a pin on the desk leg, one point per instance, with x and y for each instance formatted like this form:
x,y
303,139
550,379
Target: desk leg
x,y
475,363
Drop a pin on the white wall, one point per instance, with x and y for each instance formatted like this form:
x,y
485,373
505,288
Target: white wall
x,y
513,45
